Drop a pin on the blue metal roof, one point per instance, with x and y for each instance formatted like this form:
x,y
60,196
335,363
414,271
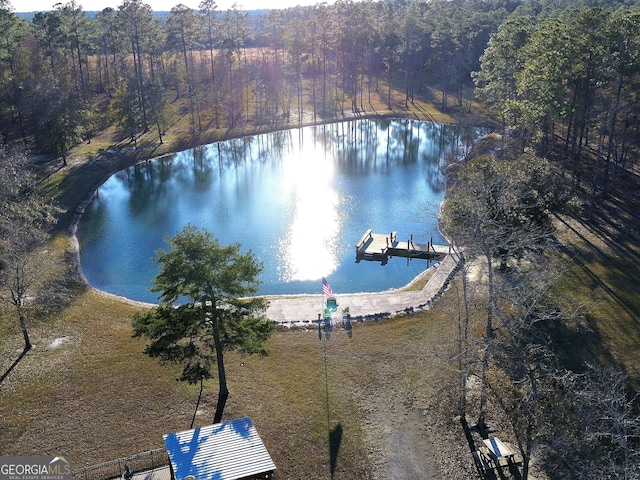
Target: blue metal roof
x,y
224,451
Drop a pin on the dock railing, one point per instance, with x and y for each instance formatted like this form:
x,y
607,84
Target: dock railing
x,y
364,238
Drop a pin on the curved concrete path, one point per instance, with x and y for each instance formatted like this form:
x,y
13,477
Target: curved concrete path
x,y
304,309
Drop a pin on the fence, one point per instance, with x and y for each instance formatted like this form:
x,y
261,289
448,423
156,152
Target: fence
x,y
139,462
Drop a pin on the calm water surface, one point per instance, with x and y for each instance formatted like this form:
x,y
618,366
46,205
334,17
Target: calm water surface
x,y
298,199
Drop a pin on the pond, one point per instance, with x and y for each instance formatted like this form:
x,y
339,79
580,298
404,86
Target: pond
x,y
299,199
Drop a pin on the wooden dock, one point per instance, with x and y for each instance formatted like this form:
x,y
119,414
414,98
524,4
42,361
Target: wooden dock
x,y
382,246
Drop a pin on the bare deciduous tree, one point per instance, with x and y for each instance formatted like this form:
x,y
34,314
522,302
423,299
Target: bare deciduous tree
x,y
25,215
600,434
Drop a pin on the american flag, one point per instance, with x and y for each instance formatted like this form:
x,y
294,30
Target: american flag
x,y
326,288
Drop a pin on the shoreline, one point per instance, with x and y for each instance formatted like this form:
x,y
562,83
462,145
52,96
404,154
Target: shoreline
x,y
285,296
78,211
304,310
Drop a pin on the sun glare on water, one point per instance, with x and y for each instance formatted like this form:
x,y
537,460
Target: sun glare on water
x,y
308,250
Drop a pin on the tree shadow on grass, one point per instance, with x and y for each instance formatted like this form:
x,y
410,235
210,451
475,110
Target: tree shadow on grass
x,y
621,266
14,364
577,343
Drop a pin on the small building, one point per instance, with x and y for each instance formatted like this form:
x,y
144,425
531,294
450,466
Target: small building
x,y
223,451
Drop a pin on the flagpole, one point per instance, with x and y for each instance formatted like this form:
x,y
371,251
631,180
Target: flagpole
x,y
326,292
326,369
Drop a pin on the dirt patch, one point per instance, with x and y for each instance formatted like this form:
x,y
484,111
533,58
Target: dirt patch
x,y
59,343
400,439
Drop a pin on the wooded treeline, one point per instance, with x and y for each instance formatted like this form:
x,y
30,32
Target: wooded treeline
x,y
65,75
62,71
569,82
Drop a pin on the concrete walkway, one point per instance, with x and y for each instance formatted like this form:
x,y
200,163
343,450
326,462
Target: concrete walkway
x,y
304,309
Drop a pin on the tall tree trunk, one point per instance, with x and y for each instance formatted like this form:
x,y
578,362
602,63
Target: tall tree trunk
x,y
389,85
324,83
491,305
463,338
527,455
18,101
188,79
223,392
213,83
406,83
83,87
612,132
138,67
596,173
105,60
313,83
231,120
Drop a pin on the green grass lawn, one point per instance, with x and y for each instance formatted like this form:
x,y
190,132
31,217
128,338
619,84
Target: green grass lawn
x,y
602,285
98,397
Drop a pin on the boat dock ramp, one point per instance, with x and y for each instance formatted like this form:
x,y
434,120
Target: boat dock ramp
x,y
382,246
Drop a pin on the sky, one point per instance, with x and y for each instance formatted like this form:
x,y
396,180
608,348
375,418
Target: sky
x,y
159,5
